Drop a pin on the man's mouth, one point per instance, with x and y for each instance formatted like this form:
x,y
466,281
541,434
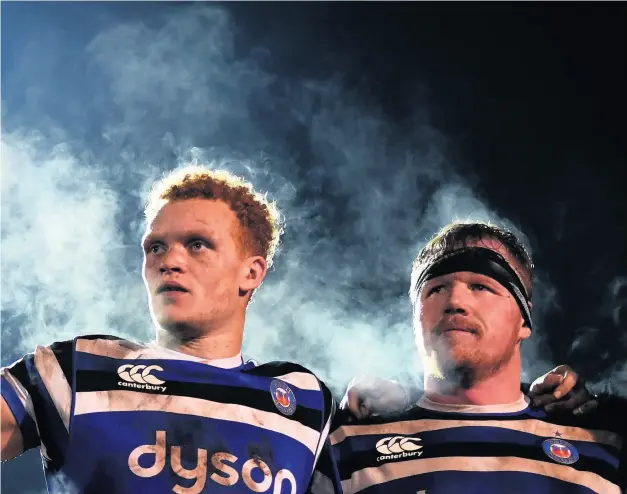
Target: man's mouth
x,y
462,330
171,287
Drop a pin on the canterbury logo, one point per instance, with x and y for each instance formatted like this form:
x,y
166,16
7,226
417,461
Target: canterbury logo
x,y
398,447
140,377
140,374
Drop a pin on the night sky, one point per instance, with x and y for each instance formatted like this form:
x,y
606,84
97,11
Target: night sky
x,y
371,124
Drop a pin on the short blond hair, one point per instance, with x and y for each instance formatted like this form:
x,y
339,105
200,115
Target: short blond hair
x,y
259,218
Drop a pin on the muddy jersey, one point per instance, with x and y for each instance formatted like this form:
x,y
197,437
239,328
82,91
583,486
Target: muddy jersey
x,y
116,416
437,449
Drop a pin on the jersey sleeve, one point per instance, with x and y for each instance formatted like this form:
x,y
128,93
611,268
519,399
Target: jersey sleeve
x,y
326,476
38,390
328,416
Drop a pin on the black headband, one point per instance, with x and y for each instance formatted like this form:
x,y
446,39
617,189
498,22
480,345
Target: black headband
x,y
482,261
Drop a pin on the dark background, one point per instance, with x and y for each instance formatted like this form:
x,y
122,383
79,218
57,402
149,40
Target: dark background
x,y
525,100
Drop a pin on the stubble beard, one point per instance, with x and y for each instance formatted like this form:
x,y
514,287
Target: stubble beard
x,y
464,371
179,330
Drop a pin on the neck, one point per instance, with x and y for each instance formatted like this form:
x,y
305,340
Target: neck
x,y
207,343
498,387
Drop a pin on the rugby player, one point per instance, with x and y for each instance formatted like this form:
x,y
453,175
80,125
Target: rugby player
x,y
186,413
473,430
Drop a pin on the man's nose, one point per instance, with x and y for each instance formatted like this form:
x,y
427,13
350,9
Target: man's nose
x,y
455,303
453,309
172,261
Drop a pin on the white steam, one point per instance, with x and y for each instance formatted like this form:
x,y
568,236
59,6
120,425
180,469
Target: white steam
x,y
337,299
360,195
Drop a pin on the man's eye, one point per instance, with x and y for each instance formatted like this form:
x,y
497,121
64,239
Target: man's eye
x,y
435,289
155,249
198,244
479,287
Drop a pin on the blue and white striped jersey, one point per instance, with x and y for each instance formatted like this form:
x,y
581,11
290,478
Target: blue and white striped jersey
x,y
115,416
436,449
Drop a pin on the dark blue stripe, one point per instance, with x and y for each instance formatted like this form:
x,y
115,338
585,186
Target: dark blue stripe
x,y
173,369
183,371
456,482
525,413
479,435
30,439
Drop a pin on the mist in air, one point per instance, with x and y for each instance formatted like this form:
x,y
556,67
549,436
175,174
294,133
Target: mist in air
x,y
83,139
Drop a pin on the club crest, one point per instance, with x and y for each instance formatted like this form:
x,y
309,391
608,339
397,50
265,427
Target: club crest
x,y
561,451
283,397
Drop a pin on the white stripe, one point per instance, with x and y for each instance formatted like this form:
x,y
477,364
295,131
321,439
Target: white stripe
x,y
516,406
129,350
118,349
131,401
223,363
368,477
21,393
55,382
301,380
530,426
27,403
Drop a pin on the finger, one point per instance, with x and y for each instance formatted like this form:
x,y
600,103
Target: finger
x,y
360,389
588,407
365,409
568,383
579,396
566,405
543,400
344,404
546,384
354,402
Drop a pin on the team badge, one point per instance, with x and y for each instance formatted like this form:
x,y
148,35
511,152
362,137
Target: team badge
x,y
561,451
283,397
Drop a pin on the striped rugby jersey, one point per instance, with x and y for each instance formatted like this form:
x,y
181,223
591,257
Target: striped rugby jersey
x,y
112,416
435,449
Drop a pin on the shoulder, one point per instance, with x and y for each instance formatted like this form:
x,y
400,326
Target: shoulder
x,y
297,376
288,372
111,346
611,414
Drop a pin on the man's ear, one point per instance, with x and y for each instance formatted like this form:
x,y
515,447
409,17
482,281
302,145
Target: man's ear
x,y
254,270
524,332
530,307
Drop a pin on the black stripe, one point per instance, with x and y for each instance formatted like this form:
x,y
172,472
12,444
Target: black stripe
x,y
99,337
274,369
365,459
328,402
344,417
64,351
253,398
